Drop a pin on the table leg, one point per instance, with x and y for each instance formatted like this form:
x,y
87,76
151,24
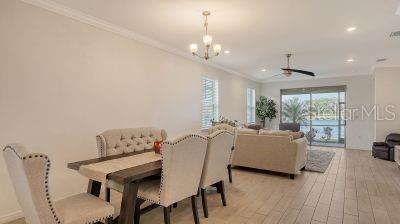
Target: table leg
x,y
128,203
94,188
107,194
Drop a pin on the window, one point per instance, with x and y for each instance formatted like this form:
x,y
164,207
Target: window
x,y
209,102
320,112
251,105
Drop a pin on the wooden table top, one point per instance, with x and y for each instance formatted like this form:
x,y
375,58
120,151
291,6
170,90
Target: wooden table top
x,y
126,175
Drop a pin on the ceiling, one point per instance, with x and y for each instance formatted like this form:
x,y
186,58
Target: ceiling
x,y
259,32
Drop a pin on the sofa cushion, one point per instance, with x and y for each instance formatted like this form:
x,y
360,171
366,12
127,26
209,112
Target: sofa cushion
x,y
294,135
381,148
247,131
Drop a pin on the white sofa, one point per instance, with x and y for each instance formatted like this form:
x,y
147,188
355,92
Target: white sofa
x,y
270,152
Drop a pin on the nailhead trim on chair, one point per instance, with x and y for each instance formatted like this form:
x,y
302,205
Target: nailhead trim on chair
x,y
216,133
46,179
98,220
100,140
184,138
46,182
223,127
162,163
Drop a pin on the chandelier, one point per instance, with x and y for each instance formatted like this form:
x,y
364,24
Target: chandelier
x,y
207,40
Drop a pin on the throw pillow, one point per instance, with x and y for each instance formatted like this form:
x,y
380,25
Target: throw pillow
x,y
254,126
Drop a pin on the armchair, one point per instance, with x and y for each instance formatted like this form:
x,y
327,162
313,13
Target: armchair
x,y
289,126
385,150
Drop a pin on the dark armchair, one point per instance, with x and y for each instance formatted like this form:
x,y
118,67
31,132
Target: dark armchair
x,y
385,150
289,126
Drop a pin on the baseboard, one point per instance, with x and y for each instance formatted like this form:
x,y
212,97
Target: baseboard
x,y
11,217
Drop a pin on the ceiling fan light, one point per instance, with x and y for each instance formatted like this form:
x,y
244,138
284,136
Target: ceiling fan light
x,y
217,48
193,48
207,39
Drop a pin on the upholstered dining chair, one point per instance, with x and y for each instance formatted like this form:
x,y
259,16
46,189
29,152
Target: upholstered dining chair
x,y
126,140
217,158
29,173
234,131
182,165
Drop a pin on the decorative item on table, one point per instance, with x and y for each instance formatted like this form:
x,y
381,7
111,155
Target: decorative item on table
x,y
157,147
224,120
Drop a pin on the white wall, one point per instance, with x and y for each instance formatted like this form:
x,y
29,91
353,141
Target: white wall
x,y
387,92
63,82
360,91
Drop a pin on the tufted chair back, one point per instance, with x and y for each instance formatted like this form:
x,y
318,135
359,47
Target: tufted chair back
x,y
118,141
182,165
29,174
217,157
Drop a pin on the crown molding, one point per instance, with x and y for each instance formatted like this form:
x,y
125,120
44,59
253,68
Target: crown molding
x,y
102,24
288,79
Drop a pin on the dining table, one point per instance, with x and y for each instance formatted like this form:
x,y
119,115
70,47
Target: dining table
x,y
129,178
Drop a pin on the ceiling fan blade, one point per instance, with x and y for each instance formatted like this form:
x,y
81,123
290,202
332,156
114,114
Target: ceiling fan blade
x,y
299,71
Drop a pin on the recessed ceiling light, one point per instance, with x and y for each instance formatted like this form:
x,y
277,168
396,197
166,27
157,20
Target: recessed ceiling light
x,y
351,29
227,52
263,70
350,60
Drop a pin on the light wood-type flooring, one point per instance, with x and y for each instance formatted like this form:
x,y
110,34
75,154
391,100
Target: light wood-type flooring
x,y
356,188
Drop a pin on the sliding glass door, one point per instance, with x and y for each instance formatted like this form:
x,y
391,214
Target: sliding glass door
x,y
319,111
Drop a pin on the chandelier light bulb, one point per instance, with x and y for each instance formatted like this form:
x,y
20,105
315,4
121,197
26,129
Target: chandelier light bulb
x,y
207,39
217,48
193,48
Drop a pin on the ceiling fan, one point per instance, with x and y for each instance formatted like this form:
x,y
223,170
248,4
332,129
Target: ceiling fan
x,y
288,71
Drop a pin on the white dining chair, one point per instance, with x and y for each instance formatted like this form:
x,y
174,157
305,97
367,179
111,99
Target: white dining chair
x,y
214,169
182,165
29,173
233,130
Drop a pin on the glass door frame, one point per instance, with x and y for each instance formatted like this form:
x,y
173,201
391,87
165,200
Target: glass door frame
x,y
323,89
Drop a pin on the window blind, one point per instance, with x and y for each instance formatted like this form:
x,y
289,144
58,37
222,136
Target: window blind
x,y
251,105
209,102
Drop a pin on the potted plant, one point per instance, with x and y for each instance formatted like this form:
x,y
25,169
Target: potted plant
x,y
265,108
